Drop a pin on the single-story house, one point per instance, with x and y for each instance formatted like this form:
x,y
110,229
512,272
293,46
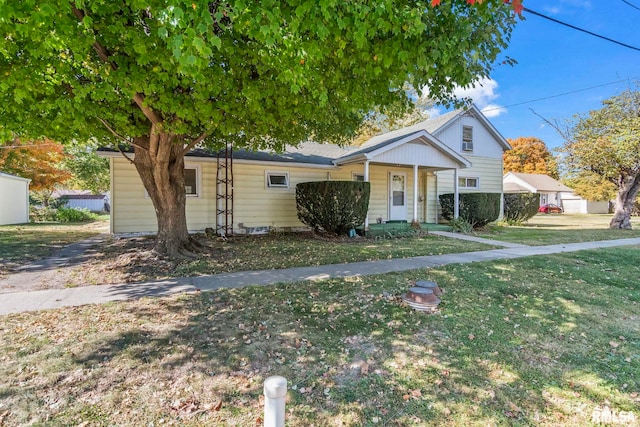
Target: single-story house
x,y
240,191
14,199
82,199
551,191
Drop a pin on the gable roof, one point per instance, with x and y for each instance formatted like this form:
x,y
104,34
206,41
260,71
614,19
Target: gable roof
x,y
542,183
314,153
371,151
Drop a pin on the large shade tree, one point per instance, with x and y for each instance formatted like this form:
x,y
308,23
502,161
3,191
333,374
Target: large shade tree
x,y
529,155
606,143
165,76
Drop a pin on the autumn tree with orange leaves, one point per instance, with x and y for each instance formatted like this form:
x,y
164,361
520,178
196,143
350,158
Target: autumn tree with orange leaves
x,y
529,155
39,161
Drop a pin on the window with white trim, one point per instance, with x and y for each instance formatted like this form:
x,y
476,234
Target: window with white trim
x,y
277,179
469,183
358,177
191,186
467,138
191,182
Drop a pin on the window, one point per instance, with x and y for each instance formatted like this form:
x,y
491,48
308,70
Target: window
x,y
191,181
358,177
278,179
467,138
464,182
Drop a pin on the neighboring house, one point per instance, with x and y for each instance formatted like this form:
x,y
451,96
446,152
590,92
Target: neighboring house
x,y
248,191
551,191
14,199
82,199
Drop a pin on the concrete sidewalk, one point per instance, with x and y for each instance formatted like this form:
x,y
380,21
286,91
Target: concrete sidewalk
x,y
55,298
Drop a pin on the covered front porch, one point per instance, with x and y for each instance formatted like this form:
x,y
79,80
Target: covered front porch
x,y
403,177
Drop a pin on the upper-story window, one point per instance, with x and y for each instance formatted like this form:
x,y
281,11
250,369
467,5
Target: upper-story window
x,y
467,138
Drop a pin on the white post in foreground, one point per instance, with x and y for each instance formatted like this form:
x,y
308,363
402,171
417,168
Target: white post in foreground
x,y
275,391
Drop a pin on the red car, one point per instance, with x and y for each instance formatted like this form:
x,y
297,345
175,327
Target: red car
x,y
550,208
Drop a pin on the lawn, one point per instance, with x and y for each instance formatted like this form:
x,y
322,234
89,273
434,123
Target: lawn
x,y
548,340
20,244
545,229
131,259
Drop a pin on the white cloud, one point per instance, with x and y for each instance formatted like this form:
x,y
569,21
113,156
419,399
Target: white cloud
x,y
483,93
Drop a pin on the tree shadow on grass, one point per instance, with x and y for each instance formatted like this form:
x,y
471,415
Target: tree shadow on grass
x,y
507,347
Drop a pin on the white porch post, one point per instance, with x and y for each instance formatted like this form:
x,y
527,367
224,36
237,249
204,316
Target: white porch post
x,y
415,193
366,179
456,202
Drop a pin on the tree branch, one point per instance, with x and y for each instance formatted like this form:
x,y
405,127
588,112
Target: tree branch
x,y
104,55
193,143
110,129
553,125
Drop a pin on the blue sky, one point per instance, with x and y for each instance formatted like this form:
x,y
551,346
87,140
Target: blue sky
x,y
553,59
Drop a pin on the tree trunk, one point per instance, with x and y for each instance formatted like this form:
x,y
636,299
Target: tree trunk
x,y
627,192
159,160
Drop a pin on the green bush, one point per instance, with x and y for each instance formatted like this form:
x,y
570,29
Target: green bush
x,y
333,206
519,208
75,215
460,225
42,214
478,209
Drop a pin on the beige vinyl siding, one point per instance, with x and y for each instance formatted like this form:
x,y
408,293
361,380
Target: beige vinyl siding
x,y
487,170
132,209
484,143
254,204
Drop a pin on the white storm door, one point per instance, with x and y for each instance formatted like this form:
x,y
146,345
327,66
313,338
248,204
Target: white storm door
x,y
397,196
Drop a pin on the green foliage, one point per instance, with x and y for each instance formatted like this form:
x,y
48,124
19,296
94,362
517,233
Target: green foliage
x,y
606,143
519,208
61,214
167,76
333,206
42,214
90,172
77,70
478,209
590,186
461,225
75,215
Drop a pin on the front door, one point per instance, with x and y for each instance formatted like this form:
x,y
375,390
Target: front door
x,y
397,196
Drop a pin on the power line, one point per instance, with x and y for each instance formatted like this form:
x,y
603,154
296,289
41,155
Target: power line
x,y
559,94
631,4
533,12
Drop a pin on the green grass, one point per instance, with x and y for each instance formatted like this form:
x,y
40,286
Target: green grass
x,y
565,228
26,242
549,340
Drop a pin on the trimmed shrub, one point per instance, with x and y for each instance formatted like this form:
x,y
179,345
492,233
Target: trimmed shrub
x,y
521,207
478,209
333,206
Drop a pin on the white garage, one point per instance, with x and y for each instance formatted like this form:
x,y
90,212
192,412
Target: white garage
x,y
14,199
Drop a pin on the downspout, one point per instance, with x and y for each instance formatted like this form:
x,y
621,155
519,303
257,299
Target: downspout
x,y
456,201
366,179
415,193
